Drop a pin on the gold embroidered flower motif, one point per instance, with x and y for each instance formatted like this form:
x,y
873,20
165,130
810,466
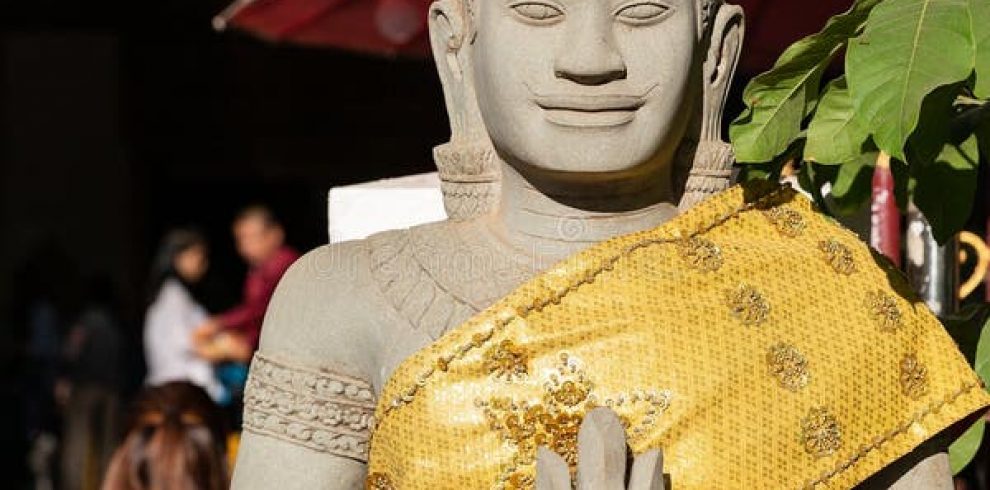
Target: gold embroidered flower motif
x,y
914,377
551,422
820,433
506,360
379,481
885,311
555,419
789,366
570,393
443,364
788,222
479,339
748,305
521,481
701,254
839,256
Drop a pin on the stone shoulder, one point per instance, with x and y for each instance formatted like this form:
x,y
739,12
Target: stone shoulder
x,y
407,271
327,312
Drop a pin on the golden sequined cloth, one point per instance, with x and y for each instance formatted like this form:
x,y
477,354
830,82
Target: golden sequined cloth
x,y
756,342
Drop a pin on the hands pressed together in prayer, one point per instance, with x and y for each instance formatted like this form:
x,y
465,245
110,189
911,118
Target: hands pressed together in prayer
x,y
215,344
602,458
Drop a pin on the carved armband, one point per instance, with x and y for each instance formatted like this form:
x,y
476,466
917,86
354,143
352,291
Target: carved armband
x,y
313,408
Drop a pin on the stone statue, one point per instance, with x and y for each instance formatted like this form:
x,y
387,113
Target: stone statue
x,y
572,121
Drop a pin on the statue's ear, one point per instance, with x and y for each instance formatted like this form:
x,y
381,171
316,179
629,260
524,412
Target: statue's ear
x,y
727,39
450,36
448,31
712,158
469,172
720,64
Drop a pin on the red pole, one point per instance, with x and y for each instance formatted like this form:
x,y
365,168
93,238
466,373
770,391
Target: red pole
x,y
885,218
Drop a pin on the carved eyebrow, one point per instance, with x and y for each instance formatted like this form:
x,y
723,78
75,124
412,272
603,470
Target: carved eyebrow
x,y
644,11
670,3
555,3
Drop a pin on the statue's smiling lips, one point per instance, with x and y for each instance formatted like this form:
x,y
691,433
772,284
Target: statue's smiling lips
x,y
590,111
596,103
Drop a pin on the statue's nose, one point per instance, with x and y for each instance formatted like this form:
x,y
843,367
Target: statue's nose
x,y
589,55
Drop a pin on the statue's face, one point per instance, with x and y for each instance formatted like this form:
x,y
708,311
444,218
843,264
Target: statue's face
x,y
585,85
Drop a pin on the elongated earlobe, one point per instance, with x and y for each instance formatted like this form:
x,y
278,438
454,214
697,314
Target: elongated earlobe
x,y
468,171
447,23
711,168
720,66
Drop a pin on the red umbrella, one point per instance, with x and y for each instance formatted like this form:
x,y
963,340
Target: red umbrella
x,y
384,27
398,27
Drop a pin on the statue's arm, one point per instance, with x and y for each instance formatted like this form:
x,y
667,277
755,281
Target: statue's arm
x,y
309,400
266,463
925,468
931,473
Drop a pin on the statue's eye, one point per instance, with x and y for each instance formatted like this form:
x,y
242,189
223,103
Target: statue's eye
x,y
642,13
537,11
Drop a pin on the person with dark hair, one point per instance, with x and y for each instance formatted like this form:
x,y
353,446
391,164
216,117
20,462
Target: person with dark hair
x,y
176,440
90,385
182,260
233,335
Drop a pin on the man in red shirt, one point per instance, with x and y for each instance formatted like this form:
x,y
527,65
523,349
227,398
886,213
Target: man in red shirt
x,y
233,335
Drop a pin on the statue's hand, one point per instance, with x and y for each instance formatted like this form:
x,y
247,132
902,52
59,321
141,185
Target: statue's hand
x,y
602,455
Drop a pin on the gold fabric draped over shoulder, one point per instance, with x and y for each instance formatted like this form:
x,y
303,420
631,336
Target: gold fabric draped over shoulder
x,y
756,342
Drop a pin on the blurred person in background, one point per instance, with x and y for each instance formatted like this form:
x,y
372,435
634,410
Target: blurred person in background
x,y
233,335
181,262
46,283
89,388
176,440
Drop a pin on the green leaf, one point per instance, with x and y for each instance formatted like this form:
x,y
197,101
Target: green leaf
x,y
836,134
933,131
853,186
979,25
777,101
904,183
981,362
755,171
946,188
908,49
846,177
964,449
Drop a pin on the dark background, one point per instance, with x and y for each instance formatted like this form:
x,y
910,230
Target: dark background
x,y
120,120
117,123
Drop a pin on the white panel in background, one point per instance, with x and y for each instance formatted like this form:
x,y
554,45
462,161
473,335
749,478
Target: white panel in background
x,y
358,211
